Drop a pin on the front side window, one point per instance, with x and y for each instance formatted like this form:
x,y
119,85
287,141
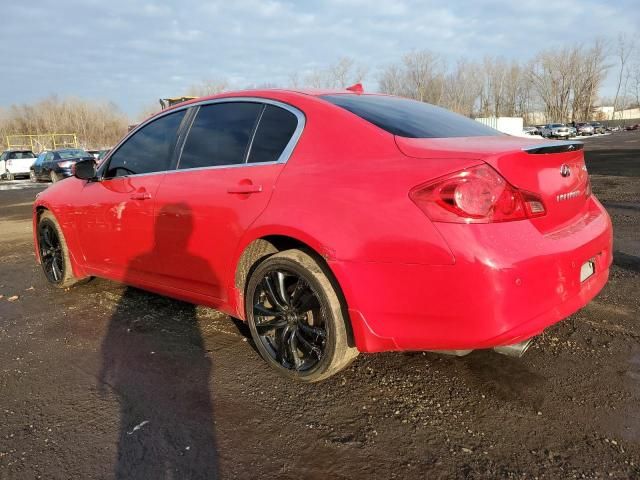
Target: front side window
x,y
410,118
274,132
148,150
220,135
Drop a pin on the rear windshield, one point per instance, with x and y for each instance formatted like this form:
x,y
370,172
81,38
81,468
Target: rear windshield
x,y
410,118
17,155
73,153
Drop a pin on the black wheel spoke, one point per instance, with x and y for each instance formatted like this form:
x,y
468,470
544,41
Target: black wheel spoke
x,y
298,289
271,294
312,331
293,350
308,346
264,311
308,301
272,324
282,289
282,345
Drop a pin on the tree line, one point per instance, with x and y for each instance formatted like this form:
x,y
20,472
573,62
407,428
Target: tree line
x,y
96,124
554,85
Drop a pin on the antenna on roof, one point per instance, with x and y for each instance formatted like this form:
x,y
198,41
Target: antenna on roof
x,y
357,88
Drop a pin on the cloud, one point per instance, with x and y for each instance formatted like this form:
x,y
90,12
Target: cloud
x,y
135,51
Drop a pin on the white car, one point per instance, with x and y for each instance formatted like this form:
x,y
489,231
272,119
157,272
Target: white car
x,y
16,163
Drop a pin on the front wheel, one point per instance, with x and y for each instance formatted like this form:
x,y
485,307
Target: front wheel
x,y
10,176
296,319
54,253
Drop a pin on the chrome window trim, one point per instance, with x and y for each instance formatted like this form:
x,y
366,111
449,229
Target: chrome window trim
x,y
284,156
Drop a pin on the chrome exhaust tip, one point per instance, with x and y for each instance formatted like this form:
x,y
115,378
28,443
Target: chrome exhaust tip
x,y
513,350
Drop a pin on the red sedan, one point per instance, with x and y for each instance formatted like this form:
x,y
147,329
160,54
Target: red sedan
x,y
336,223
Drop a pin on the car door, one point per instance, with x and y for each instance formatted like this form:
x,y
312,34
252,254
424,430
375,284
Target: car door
x,y
45,168
230,160
3,162
116,229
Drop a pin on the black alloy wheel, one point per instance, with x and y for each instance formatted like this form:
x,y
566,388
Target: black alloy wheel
x,y
51,253
290,320
297,318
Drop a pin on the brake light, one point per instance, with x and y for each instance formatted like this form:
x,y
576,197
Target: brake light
x,y
66,164
476,195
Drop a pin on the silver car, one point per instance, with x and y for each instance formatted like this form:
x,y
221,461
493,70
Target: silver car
x,y
556,130
585,128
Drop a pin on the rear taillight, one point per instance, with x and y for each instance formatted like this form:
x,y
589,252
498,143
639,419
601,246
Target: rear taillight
x,y
66,164
476,195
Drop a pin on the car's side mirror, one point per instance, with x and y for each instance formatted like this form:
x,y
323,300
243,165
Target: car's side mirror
x,y
85,169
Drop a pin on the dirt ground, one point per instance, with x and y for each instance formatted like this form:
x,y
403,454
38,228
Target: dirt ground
x,y
103,381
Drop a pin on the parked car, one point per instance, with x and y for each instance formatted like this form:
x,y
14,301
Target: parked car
x,y
531,130
573,131
57,164
556,130
584,128
15,163
632,127
337,223
598,127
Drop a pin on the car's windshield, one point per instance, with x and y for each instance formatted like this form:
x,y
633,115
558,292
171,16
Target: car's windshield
x,y
18,155
72,153
410,118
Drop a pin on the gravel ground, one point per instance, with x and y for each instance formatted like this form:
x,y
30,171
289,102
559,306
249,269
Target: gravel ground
x,y
105,381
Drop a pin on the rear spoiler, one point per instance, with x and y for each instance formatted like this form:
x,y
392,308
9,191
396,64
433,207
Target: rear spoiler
x,y
554,147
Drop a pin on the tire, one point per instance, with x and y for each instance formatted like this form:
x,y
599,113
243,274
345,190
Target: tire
x,y
307,337
10,177
53,176
54,251
32,176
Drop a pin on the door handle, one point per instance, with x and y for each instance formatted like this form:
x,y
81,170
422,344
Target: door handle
x,y
141,196
247,188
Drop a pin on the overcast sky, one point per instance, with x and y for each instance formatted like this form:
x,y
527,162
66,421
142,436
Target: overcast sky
x,y
132,52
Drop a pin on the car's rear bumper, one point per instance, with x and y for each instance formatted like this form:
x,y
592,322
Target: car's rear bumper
x,y
509,283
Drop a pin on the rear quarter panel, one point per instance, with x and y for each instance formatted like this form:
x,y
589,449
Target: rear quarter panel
x,y
345,192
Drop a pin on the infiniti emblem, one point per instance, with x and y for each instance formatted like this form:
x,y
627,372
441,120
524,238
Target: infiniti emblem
x,y
565,171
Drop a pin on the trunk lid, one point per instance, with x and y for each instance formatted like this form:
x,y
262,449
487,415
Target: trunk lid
x,y
553,170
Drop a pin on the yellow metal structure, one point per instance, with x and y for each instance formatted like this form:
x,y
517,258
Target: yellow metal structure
x,y
168,102
39,143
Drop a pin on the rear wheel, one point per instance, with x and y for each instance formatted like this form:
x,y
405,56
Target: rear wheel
x,y
32,176
54,177
296,318
10,176
54,254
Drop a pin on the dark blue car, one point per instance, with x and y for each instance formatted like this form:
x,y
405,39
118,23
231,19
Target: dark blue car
x,y
56,164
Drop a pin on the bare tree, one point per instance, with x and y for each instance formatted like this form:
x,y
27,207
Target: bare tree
x,y
624,48
343,73
208,87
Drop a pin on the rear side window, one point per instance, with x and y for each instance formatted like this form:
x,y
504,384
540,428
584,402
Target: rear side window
x,y
275,130
410,118
19,155
148,150
220,135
